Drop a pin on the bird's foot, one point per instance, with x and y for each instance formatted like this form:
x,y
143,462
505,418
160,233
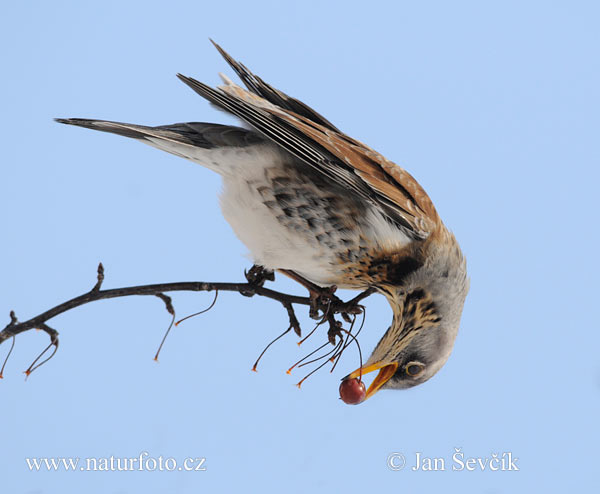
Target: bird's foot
x,y
323,300
256,277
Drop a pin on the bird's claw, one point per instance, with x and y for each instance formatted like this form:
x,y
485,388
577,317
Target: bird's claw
x,y
257,275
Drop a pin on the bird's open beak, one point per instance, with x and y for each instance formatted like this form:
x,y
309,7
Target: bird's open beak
x,y
386,371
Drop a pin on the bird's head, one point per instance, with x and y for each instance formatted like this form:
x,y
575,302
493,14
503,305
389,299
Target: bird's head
x,y
427,307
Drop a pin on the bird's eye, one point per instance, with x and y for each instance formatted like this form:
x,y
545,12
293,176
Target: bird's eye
x,y
413,369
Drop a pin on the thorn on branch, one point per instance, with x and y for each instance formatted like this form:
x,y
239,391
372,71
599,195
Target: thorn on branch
x,y
100,278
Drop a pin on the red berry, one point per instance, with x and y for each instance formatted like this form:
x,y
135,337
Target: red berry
x,y
352,391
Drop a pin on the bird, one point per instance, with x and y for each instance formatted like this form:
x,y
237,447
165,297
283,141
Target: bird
x,y
318,205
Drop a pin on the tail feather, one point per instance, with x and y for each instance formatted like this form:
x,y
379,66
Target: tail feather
x,y
218,147
198,134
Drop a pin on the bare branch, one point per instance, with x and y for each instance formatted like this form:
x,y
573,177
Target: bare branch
x,y
321,300
14,328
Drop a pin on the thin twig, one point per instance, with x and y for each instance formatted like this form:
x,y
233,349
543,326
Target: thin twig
x,y
328,305
7,356
294,324
14,328
299,384
212,304
53,334
254,367
99,278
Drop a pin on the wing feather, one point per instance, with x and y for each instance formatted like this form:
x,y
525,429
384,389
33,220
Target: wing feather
x,y
305,134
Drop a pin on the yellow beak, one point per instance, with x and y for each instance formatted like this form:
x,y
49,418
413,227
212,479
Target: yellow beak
x,y
386,371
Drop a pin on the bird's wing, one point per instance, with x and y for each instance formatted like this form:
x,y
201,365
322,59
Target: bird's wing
x,y
302,132
278,98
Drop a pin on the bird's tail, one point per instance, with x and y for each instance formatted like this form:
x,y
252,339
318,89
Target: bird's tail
x,y
203,143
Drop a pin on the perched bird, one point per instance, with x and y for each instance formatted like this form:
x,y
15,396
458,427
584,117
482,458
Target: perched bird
x,y
308,200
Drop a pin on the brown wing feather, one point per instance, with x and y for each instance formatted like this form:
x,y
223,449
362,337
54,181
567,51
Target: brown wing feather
x,y
259,87
304,133
384,176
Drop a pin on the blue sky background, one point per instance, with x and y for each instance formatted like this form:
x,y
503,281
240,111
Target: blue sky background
x,y
493,106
